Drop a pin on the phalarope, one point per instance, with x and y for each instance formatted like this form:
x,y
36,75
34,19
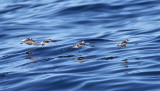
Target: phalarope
x,y
80,44
45,42
29,52
123,44
29,41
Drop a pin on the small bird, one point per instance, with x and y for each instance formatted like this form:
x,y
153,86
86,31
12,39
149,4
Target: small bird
x,y
29,41
123,44
29,52
45,42
80,44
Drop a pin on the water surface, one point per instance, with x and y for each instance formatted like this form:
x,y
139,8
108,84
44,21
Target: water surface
x,y
58,66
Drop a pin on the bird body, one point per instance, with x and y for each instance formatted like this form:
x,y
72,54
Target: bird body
x,y
29,52
80,44
45,42
29,41
123,44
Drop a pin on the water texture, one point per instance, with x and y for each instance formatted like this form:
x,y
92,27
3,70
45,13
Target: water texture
x,y
59,67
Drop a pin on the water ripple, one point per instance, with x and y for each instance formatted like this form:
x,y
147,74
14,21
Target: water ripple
x,y
101,24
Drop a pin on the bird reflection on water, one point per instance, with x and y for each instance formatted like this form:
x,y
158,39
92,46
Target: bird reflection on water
x,y
32,58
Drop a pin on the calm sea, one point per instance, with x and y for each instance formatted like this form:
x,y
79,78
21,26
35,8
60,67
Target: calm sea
x,y
101,67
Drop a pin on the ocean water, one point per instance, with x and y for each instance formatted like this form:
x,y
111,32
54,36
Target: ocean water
x,y
59,67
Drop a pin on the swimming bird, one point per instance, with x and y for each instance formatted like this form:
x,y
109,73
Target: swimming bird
x,y
29,52
29,41
80,44
123,44
45,42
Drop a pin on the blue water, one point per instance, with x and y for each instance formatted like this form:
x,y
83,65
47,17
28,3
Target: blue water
x,y
59,67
